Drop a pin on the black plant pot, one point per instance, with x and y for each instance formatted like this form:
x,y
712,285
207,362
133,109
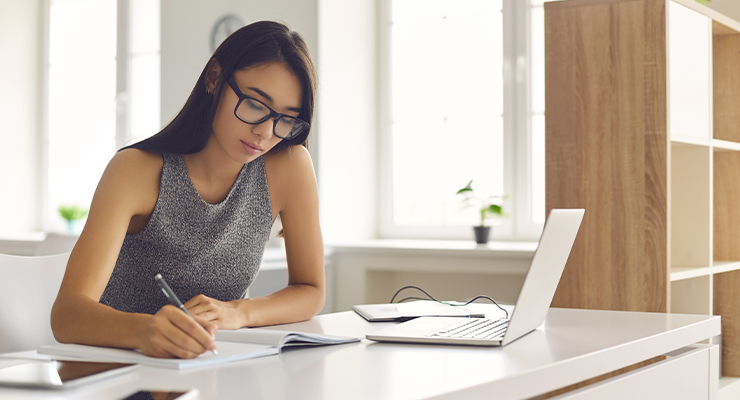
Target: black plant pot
x,y
481,234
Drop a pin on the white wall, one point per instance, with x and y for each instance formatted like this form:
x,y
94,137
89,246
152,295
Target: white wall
x,y
348,113
21,28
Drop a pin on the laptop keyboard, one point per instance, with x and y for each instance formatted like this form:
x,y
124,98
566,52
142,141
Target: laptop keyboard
x,y
474,328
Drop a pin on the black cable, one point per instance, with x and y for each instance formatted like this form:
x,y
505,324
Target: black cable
x,y
412,298
443,302
412,287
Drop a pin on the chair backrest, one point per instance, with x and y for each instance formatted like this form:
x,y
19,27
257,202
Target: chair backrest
x,y
28,288
56,243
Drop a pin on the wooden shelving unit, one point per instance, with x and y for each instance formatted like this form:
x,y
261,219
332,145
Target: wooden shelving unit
x,y
643,131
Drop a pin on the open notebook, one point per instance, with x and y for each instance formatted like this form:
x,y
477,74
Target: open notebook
x,y
280,339
241,344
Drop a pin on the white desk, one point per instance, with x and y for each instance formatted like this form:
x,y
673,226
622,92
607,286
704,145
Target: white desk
x,y
572,346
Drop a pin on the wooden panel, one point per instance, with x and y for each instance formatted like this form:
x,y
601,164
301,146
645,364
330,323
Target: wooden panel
x,y
726,71
607,149
726,210
719,29
727,304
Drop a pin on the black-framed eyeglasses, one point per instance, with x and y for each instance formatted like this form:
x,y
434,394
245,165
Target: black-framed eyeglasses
x,y
253,112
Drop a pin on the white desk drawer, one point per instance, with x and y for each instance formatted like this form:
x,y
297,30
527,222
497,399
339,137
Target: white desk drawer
x,y
687,374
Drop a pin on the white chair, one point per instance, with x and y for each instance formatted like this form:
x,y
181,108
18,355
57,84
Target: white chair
x,y
56,243
28,288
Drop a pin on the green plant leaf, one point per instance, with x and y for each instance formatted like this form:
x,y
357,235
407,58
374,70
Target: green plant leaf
x,y
467,188
495,209
72,212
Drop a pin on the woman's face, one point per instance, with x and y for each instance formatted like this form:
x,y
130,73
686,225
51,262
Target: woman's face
x,y
274,85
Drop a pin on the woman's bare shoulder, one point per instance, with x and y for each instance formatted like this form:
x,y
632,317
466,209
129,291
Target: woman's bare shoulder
x,y
289,167
134,167
289,159
290,175
132,176
138,161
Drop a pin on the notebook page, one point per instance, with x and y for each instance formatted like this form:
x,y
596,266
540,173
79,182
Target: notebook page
x,y
256,336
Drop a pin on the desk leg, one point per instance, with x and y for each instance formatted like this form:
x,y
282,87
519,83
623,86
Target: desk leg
x,y
717,340
714,370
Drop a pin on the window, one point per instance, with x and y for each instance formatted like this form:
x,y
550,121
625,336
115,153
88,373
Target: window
x,y
457,106
102,93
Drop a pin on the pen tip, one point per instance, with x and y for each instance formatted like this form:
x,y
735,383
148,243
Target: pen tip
x,y
158,276
215,352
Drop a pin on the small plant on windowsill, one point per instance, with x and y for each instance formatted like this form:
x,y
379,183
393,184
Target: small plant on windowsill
x,y
488,207
74,215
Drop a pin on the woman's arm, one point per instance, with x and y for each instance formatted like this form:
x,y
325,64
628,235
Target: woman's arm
x,y
294,193
126,194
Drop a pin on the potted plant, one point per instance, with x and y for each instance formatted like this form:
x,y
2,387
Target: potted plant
x,y
74,215
488,207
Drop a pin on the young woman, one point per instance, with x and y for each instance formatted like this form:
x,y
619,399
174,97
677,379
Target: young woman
x,y
195,203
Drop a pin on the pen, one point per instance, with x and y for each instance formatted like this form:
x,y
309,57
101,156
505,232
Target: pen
x,y
173,298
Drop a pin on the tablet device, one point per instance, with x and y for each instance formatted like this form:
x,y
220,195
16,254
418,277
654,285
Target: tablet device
x,y
399,312
54,374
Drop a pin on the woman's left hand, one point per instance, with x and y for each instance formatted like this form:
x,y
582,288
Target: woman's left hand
x,y
225,315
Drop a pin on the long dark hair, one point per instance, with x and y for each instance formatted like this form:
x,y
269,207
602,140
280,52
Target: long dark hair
x,y
258,43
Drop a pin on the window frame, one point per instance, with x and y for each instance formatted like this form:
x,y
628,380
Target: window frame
x,y
517,135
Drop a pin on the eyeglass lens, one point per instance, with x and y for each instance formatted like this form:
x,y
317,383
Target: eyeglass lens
x,y
252,111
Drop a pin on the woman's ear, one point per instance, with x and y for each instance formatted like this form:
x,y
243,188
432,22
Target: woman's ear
x,y
213,75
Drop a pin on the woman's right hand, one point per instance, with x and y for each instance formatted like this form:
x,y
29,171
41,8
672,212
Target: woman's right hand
x,y
170,333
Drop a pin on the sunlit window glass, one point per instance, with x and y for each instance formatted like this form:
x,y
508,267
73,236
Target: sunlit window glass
x,y
81,102
446,92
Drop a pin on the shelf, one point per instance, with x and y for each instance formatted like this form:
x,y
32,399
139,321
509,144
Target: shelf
x,y
681,273
718,267
668,177
725,145
725,266
690,140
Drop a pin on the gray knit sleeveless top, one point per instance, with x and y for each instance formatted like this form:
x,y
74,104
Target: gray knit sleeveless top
x,y
199,248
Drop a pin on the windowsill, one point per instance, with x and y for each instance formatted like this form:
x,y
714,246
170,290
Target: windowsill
x,y
274,257
35,237
24,244
20,244
465,248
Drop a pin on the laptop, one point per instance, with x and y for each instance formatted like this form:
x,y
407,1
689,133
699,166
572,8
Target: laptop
x,y
531,307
